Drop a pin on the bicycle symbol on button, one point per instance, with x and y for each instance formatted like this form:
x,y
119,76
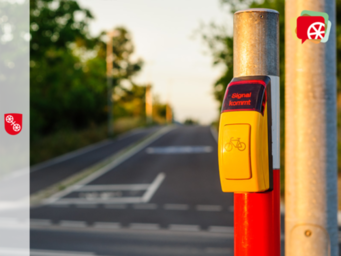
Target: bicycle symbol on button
x,y
241,146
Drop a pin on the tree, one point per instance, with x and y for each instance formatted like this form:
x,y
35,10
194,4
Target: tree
x,y
56,75
68,67
220,43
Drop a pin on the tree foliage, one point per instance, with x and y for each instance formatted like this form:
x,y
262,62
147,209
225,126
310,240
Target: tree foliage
x,y
68,69
220,42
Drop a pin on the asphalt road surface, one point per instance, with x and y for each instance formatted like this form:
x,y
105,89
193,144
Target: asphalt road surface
x,y
163,200
53,171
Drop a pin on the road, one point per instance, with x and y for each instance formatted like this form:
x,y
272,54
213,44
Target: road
x,y
53,171
164,200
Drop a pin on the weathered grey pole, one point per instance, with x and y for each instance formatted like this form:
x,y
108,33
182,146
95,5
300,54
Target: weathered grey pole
x,y
310,138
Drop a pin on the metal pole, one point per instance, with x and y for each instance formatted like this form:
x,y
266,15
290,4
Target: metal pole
x,y
257,215
109,82
310,138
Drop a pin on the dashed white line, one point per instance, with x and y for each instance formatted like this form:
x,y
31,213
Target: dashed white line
x,y
179,207
59,205
87,206
138,226
145,206
118,200
209,208
221,229
73,224
179,150
184,228
116,187
107,225
115,206
146,226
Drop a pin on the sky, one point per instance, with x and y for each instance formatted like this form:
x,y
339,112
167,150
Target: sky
x,y
163,33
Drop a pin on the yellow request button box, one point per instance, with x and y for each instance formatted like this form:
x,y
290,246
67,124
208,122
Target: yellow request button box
x,y
244,146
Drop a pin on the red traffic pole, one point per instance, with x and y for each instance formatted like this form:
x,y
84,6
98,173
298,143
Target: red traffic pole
x,y
257,222
257,215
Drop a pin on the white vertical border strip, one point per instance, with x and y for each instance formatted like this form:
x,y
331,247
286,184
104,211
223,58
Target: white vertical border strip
x,y
14,156
275,105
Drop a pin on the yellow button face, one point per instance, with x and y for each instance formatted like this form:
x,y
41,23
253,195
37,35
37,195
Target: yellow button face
x,y
236,151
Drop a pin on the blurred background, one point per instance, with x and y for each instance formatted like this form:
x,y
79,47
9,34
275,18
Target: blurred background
x,y
154,44
126,96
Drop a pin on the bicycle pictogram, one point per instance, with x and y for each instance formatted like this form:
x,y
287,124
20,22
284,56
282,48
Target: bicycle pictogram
x,y
16,127
241,146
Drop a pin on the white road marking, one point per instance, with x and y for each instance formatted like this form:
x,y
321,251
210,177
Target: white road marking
x,y
41,222
185,228
221,229
115,206
119,200
35,252
107,225
95,199
73,224
118,187
209,208
179,150
110,166
147,226
153,187
180,207
89,206
60,205
145,206
148,194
